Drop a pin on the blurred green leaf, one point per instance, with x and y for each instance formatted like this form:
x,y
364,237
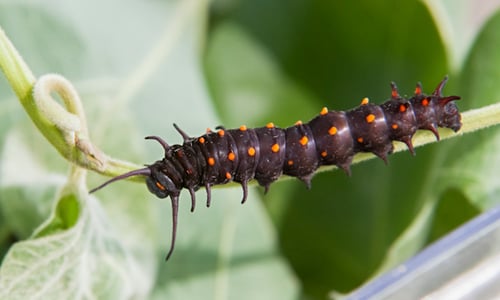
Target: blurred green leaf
x,y
25,196
252,92
459,23
475,172
452,211
227,251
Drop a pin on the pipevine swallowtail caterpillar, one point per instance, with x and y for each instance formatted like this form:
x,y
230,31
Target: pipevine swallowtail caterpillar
x,y
266,153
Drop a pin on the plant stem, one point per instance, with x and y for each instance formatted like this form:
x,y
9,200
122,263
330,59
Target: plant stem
x,y
64,128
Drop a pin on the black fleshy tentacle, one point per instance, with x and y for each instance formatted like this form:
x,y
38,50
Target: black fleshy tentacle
x,y
140,172
175,209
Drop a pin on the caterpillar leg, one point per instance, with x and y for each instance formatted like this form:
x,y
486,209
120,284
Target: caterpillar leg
x,y
209,194
193,199
244,186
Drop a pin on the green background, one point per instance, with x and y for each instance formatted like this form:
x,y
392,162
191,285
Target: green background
x,y
140,66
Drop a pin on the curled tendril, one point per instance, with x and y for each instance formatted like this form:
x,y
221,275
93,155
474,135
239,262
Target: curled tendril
x,y
64,126
70,120
71,125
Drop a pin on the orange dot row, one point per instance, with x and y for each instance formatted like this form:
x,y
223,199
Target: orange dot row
x,y
370,118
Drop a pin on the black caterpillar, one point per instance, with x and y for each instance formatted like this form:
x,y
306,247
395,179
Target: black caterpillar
x,y
265,153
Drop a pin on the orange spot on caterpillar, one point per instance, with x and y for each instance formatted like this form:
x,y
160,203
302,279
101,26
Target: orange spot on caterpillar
x,y
275,148
201,140
394,126
418,90
332,130
228,175
402,108
231,156
160,186
324,154
298,123
365,101
370,118
211,161
304,140
425,102
270,125
360,140
243,128
394,93
251,151
324,111
221,133
290,162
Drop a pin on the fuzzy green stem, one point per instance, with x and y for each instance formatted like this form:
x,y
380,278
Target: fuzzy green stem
x,y
66,130
64,127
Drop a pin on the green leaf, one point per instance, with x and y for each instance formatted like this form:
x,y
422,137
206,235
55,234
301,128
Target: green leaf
x,y
254,91
476,168
65,216
225,252
87,260
27,188
459,23
453,210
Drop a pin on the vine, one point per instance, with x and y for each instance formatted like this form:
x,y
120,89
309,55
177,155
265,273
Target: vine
x,y
66,129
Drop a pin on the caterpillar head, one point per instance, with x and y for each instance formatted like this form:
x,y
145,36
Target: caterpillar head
x,y
447,112
159,183
157,180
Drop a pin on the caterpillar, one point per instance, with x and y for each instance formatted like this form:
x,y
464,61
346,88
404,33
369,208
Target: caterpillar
x,y
266,153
